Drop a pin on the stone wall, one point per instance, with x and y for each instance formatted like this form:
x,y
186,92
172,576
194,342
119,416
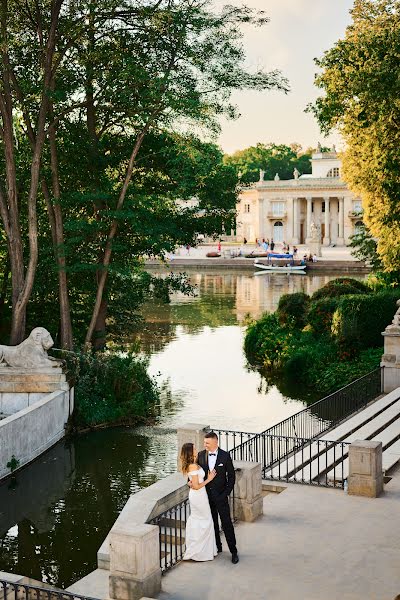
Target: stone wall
x,y
32,430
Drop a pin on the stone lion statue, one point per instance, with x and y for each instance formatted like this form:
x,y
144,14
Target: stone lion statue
x,y
31,353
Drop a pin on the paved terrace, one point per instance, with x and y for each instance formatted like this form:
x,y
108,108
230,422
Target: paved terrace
x,y
311,544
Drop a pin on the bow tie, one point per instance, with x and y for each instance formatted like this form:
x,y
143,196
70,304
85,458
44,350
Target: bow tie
x,y
212,454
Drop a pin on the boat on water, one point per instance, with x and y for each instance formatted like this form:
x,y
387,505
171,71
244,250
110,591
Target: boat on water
x,y
280,263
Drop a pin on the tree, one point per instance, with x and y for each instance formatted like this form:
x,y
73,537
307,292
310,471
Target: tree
x,y
13,25
118,66
361,88
272,159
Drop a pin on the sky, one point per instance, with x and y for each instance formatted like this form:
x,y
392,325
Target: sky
x,y
298,32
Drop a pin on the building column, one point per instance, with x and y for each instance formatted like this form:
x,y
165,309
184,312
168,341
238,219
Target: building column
x,y
309,200
340,240
327,239
295,236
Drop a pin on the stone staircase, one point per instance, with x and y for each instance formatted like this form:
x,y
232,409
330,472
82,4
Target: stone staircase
x,y
379,421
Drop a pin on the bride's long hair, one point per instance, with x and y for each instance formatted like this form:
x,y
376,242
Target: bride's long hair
x,y
187,457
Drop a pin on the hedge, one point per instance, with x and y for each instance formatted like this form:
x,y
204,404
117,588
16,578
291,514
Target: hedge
x,y
340,287
359,320
292,309
320,314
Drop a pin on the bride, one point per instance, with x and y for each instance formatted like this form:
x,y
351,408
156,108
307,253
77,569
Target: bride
x,y
200,536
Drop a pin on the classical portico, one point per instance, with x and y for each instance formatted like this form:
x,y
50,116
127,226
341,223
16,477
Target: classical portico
x,y
283,210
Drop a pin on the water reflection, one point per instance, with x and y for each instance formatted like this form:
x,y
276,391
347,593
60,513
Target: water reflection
x,y
55,518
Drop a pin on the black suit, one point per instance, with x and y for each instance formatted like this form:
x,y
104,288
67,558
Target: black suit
x,y
218,491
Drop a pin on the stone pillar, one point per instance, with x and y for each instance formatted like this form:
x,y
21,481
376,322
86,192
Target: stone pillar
x,y
191,432
247,492
295,236
134,562
365,469
309,201
391,356
340,239
327,239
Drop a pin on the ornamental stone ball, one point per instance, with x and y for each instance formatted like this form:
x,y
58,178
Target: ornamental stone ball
x,y
31,353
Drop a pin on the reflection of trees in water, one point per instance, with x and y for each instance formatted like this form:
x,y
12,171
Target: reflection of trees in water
x,y
110,465
213,306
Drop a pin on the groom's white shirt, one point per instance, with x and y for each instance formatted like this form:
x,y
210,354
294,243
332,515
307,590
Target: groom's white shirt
x,y
212,460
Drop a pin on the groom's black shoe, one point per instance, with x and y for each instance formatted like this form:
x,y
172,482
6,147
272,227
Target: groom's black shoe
x,y
235,558
219,550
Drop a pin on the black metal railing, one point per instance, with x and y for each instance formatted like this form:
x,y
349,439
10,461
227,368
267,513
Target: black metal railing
x,y
172,534
228,439
310,422
301,460
22,591
172,531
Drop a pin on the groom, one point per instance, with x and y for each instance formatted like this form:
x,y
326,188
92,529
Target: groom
x,y
219,489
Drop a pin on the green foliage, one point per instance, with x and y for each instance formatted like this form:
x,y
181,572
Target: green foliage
x,y
341,341
359,80
292,309
13,464
271,158
339,373
310,357
267,342
320,314
358,321
112,388
341,287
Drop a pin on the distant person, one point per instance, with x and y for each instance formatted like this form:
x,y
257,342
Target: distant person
x,y
219,246
265,246
295,250
188,249
272,245
314,258
244,241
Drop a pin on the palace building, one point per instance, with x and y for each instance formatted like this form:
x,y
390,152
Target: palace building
x,y
283,210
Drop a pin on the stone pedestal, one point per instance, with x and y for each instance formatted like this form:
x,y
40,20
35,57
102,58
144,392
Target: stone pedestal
x,y
134,562
191,432
365,469
248,491
391,356
315,247
20,388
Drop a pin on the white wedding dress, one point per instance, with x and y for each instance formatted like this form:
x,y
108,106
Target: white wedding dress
x,y
200,536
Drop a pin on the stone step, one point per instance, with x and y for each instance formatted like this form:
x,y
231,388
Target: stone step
x,y
389,436
317,458
391,456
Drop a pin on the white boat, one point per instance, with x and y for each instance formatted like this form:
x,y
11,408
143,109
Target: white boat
x,y
282,269
288,267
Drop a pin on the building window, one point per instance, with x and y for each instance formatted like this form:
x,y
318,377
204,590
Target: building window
x,y
312,207
359,227
247,208
323,206
333,172
278,231
278,209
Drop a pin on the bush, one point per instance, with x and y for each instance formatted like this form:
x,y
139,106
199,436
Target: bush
x,y
358,321
341,287
267,342
292,309
320,314
112,388
340,373
310,358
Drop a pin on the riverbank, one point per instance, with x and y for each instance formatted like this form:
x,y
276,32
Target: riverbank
x,y
333,260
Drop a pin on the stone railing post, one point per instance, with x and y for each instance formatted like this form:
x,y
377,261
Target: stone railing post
x,y
365,469
191,432
248,499
391,356
134,562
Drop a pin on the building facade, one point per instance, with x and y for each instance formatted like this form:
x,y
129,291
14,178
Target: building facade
x,y
283,210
